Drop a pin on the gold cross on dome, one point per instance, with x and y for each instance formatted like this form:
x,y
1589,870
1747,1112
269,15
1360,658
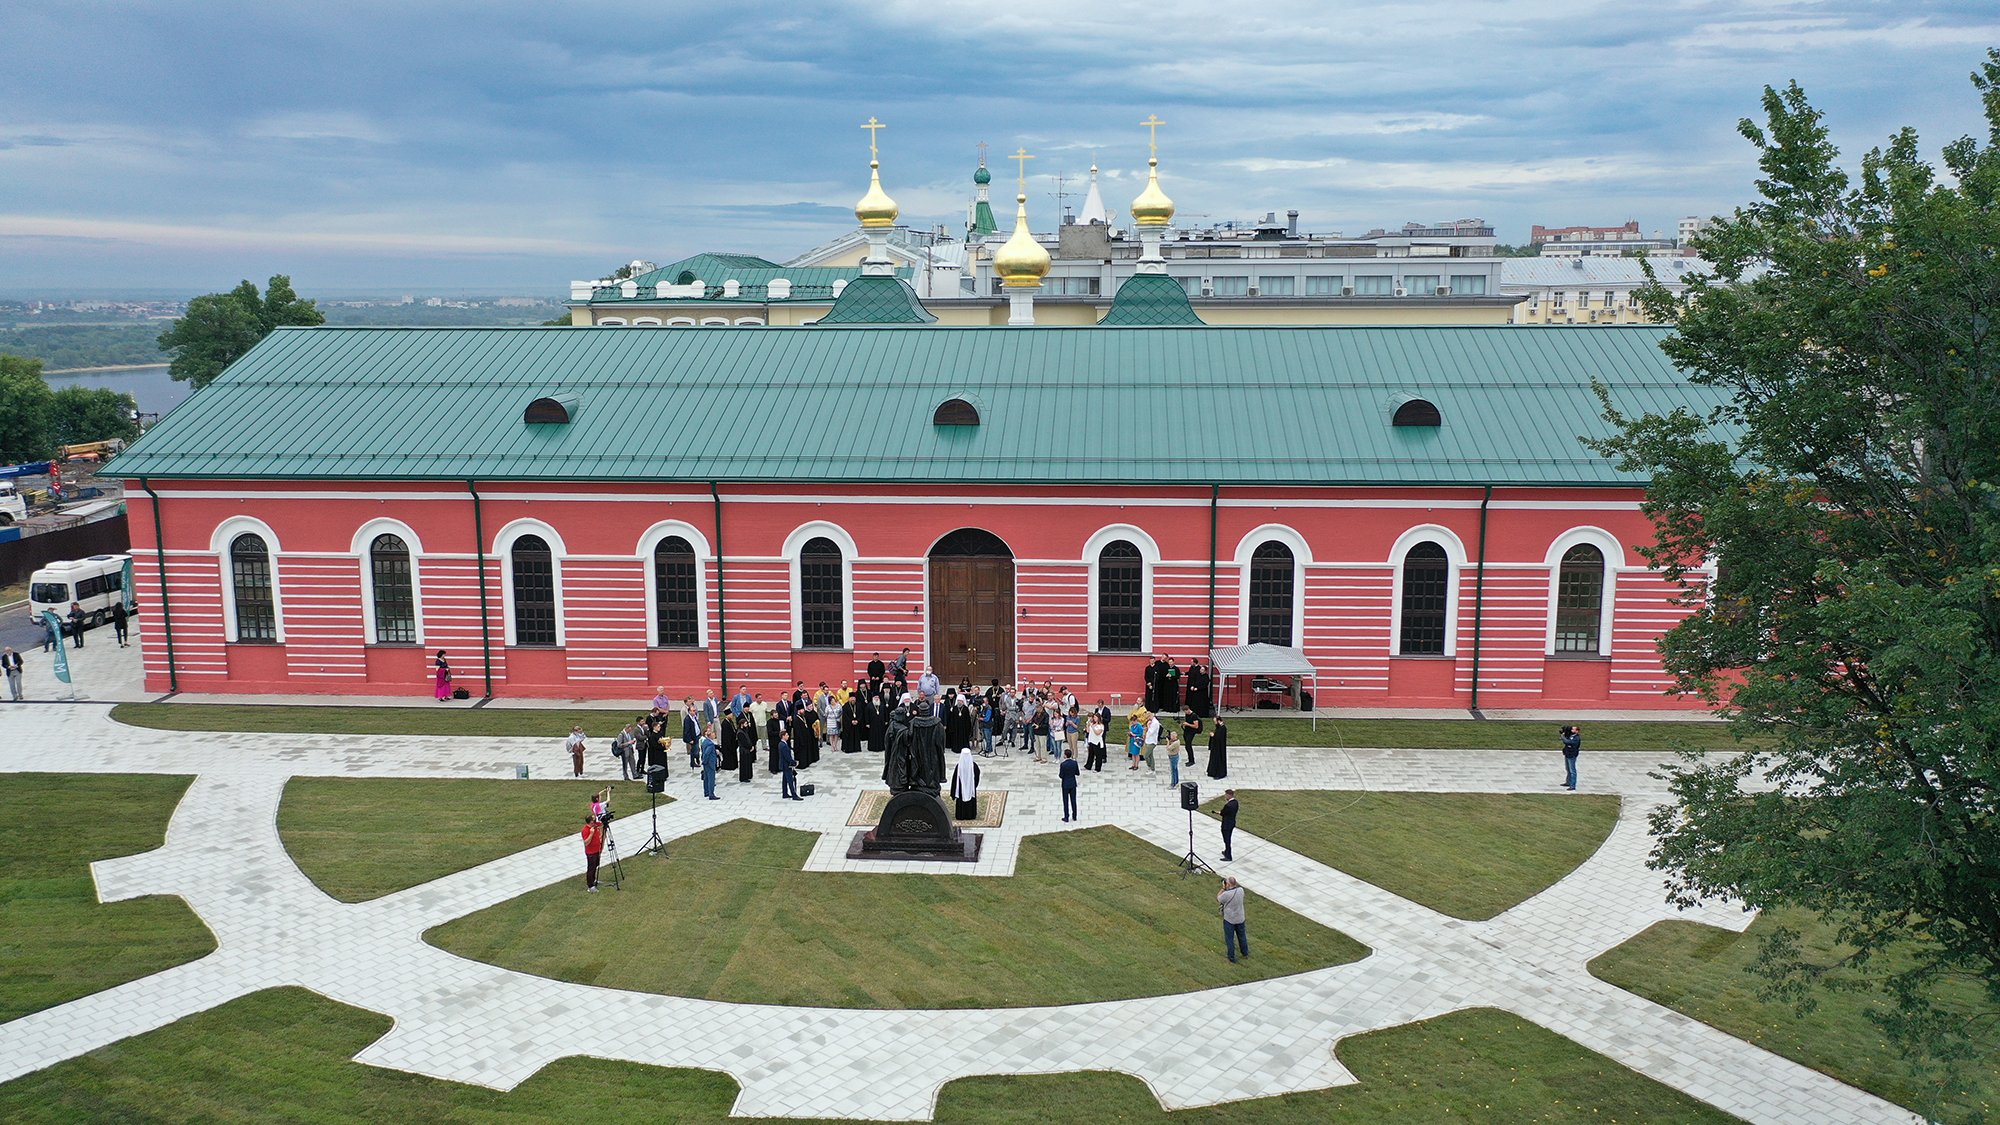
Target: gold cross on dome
x,y
1152,124
871,127
982,154
1021,159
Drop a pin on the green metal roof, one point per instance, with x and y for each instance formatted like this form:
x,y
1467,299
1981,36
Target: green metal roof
x,y
877,300
1080,405
1150,298
753,276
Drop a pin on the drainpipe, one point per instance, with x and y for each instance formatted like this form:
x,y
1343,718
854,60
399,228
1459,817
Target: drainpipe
x,y
721,615
485,616
1479,600
166,605
1214,498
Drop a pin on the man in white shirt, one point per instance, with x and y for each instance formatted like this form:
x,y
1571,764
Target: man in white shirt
x,y
1152,740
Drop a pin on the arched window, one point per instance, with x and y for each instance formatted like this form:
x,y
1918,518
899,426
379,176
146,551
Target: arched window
x,y
1426,594
1271,595
534,592
1580,600
1121,597
821,591
395,601
673,593
250,582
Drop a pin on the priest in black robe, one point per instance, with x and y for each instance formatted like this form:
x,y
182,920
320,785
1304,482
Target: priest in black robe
x,y
876,672
878,724
1152,678
746,746
805,740
854,724
957,723
1198,685
725,745
1167,685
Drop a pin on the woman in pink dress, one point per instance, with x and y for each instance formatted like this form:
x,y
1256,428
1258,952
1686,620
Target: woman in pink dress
x,y
443,677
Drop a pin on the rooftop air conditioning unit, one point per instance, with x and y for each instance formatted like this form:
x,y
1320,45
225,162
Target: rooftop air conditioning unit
x,y
1253,291
1207,291
1402,292
1444,291
1347,290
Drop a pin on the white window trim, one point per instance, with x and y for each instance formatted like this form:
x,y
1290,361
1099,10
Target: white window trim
x,y
363,537
648,543
1149,556
652,321
218,542
503,550
1614,558
794,544
1454,552
610,321
1301,558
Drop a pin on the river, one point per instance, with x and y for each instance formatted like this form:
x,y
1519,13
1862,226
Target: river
x,y
154,389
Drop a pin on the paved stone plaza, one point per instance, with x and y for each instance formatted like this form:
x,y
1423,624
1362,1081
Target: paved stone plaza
x,y
469,1022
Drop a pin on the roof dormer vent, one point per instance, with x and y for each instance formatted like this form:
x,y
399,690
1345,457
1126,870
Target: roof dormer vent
x,y
955,412
1417,412
556,408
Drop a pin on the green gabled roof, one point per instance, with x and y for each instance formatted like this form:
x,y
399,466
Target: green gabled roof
x,y
753,276
1276,405
1150,298
877,300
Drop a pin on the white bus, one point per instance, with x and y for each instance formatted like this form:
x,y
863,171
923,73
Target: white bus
x,y
93,583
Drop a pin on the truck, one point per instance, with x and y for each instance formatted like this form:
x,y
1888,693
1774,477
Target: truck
x,y
13,506
93,583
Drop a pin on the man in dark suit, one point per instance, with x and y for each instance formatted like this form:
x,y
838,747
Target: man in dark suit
x,y
787,766
1228,822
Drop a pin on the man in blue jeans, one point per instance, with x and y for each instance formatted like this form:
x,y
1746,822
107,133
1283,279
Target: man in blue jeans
x,y
1233,938
1572,746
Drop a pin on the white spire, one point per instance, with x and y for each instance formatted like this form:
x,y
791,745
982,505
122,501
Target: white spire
x,y
1093,204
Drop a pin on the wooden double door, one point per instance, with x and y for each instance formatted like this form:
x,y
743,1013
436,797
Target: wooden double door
x,y
972,618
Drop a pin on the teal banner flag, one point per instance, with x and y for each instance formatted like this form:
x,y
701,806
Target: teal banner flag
x,y
131,595
62,654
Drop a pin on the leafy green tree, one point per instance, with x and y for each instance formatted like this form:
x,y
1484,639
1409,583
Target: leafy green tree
x,y
83,414
1850,493
24,410
220,327
562,321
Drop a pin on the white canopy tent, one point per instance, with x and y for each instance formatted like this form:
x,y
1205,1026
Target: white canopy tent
x,y
1263,660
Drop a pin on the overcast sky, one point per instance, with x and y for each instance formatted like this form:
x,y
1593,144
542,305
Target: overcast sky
x,y
522,145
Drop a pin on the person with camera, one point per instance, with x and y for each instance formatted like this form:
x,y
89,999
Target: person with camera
x,y
593,848
1572,744
1233,936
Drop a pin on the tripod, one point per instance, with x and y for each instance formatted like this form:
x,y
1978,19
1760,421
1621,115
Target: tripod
x,y
653,843
618,865
1191,863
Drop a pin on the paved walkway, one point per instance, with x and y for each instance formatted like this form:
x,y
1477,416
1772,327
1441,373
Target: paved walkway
x,y
469,1022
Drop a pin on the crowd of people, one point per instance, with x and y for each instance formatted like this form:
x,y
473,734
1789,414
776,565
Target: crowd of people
x,y
1045,721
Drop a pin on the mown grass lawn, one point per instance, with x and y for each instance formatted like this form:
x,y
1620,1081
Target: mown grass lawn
x,y
1091,915
259,718
1470,734
1248,730
57,942
285,1056
1469,855
1700,971
361,838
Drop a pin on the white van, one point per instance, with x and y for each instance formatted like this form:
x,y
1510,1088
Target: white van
x,y
94,583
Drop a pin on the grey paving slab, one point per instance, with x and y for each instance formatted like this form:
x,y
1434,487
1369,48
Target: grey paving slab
x,y
469,1022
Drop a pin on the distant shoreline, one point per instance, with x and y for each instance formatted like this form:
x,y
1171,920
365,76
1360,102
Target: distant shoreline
x,y
113,367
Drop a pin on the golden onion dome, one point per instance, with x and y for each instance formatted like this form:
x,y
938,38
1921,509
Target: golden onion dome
x,y
1152,208
1022,261
876,209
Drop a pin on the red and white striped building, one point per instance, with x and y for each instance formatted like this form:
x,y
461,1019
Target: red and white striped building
x,y
774,505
